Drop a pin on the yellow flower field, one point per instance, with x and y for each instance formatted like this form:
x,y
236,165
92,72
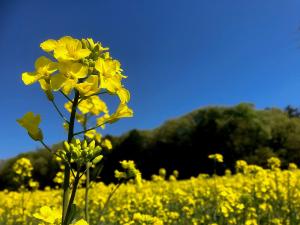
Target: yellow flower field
x,y
252,196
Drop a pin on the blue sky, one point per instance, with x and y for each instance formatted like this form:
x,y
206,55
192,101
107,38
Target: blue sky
x,y
178,55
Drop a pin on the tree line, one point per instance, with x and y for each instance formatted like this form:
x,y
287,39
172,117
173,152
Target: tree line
x,y
183,144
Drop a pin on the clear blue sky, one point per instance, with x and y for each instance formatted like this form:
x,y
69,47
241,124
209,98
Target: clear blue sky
x,y
178,55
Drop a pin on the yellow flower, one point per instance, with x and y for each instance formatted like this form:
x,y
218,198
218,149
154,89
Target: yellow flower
x,y
93,105
44,67
31,123
110,73
89,86
108,68
48,215
68,77
66,49
111,84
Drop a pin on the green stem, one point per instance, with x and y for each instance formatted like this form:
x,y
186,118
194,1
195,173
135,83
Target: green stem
x,y
74,189
66,184
87,182
87,186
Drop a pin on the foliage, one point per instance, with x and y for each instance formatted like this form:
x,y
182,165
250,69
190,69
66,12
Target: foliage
x,y
239,132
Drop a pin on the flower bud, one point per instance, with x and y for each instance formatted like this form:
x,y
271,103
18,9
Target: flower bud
x,y
97,159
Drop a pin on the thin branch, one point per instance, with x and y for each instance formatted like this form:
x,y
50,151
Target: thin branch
x,y
92,128
59,112
67,97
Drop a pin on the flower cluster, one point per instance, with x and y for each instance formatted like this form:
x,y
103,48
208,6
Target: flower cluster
x,y
84,67
129,172
81,152
22,169
274,163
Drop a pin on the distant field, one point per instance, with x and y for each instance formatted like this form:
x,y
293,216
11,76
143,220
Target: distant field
x,y
253,196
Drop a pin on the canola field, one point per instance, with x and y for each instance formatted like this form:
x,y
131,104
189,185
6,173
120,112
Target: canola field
x,y
251,196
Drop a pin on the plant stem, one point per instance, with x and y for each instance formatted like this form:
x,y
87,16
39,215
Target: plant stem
x,y
92,128
87,182
66,96
74,189
87,186
66,185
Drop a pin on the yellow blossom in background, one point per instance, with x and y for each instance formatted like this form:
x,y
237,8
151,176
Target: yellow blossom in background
x,y
217,157
106,144
23,167
258,196
292,166
274,163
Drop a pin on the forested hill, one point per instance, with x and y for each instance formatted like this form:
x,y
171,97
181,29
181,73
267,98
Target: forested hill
x,y
239,132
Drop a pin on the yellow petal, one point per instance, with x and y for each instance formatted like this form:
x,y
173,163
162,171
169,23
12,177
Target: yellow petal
x,y
124,95
42,62
78,70
111,84
65,40
29,78
69,84
61,53
89,86
57,81
44,85
122,111
82,53
49,45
